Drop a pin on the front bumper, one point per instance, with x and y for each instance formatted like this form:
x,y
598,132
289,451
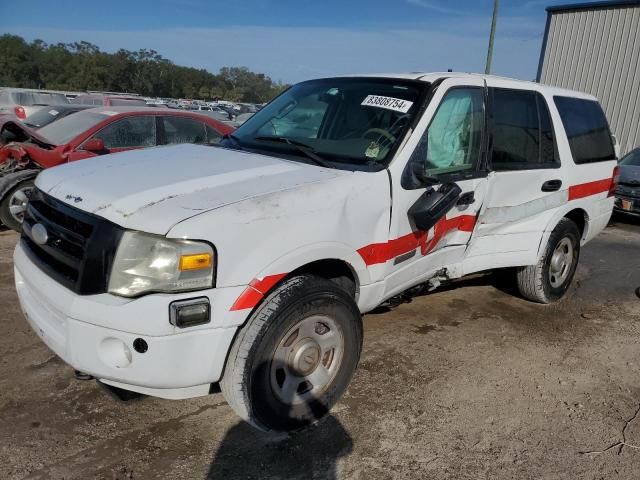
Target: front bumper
x,y
95,334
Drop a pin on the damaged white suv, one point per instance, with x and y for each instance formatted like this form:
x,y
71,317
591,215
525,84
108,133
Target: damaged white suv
x,y
175,271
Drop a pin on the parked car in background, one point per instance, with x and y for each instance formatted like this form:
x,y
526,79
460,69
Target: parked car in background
x,y
246,269
23,102
243,117
110,100
628,191
93,132
219,115
45,116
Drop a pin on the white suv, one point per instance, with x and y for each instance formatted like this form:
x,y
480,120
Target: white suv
x,y
178,270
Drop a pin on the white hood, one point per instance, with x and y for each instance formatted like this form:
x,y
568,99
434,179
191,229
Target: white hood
x,y
153,189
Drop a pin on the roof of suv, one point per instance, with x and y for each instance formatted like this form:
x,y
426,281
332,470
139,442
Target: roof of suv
x,y
502,81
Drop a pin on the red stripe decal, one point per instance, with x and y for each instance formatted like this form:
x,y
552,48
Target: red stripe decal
x,y
382,252
257,289
587,189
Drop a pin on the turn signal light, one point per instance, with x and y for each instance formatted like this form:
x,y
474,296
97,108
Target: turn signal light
x,y
196,261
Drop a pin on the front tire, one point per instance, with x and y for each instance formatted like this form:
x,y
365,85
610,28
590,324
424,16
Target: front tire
x,y
14,205
295,356
550,278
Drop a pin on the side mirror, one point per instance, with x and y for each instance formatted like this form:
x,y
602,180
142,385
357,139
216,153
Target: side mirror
x,y
433,205
95,145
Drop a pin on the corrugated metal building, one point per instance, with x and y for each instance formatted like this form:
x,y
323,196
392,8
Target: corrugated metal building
x,y
595,48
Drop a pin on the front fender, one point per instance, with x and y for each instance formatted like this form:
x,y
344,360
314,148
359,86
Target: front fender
x,y
307,254
8,182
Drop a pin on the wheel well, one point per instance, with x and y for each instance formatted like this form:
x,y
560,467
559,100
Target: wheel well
x,y
580,218
337,271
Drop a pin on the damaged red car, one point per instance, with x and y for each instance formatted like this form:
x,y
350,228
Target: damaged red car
x,y
89,133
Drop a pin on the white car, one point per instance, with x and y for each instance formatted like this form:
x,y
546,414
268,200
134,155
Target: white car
x,y
175,271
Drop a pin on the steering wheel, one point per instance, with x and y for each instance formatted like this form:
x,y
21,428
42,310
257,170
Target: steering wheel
x,y
381,133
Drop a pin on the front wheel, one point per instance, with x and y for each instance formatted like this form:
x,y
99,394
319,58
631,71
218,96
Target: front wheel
x,y
14,205
295,356
550,278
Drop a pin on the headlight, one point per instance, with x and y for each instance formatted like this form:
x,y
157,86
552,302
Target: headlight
x,y
149,263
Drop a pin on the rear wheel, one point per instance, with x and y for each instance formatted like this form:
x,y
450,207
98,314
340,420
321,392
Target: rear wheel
x,y
14,204
295,356
550,278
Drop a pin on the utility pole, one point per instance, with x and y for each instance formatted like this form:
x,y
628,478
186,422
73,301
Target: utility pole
x,y
494,20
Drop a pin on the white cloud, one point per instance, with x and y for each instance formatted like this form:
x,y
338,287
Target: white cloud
x,y
436,7
292,54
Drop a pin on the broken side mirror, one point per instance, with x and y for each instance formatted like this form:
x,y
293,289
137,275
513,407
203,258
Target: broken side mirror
x,y
432,205
95,145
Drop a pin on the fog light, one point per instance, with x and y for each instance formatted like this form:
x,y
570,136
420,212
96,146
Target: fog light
x,y
189,313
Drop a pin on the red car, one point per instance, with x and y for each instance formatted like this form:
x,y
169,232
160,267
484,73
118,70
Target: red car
x,y
89,133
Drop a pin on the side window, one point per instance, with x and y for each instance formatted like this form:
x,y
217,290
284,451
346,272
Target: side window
x,y
453,140
213,136
183,130
587,129
522,131
129,132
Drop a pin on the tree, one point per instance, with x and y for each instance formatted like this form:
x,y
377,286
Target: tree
x,y
83,66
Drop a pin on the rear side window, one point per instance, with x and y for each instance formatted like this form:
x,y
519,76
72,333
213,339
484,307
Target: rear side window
x,y
587,129
183,130
522,131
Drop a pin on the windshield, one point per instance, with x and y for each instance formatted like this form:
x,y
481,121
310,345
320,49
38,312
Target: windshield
x,y
44,116
41,98
632,158
354,121
127,102
67,128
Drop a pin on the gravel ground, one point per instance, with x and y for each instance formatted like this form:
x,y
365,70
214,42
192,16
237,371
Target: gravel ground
x,y
467,382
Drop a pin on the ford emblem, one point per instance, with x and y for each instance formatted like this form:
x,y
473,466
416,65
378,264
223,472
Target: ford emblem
x,y
39,234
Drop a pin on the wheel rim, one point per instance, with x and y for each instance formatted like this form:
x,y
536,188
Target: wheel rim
x,y
307,360
18,203
561,262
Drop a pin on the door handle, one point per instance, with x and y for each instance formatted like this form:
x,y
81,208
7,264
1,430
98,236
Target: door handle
x,y
551,185
467,198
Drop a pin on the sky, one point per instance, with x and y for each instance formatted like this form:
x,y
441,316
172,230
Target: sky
x,y
294,40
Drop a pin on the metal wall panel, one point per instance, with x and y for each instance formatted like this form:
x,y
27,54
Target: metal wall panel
x,y
597,50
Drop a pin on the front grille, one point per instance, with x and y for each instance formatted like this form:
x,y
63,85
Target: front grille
x,y
79,248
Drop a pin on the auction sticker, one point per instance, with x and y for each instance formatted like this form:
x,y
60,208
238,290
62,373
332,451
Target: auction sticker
x,y
390,103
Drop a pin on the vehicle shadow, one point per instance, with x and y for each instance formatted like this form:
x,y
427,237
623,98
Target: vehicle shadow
x,y
502,279
620,219
312,452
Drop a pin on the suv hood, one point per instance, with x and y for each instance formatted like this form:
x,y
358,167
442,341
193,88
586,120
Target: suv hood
x,y
153,189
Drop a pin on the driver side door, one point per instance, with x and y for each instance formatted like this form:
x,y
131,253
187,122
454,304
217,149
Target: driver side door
x,y
447,151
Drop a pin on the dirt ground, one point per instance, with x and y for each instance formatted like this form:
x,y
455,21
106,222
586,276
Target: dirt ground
x,y
469,382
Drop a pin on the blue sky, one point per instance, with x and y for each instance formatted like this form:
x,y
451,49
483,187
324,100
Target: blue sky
x,y
292,40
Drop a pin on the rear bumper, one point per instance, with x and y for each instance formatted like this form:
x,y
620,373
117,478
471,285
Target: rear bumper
x,y
632,202
180,364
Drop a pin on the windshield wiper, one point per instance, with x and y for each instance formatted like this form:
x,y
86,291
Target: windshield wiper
x,y
308,150
233,137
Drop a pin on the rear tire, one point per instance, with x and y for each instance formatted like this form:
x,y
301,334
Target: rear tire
x,y
14,204
295,356
550,278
